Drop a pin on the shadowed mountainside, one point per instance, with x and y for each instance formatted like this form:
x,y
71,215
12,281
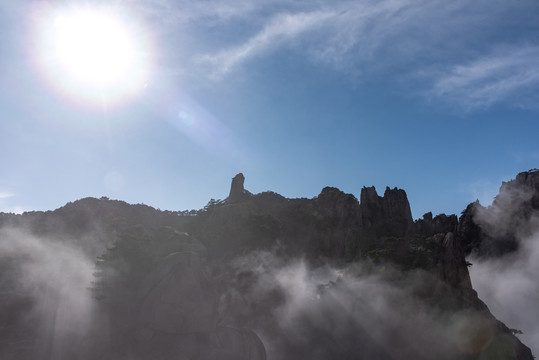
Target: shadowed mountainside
x,y
259,273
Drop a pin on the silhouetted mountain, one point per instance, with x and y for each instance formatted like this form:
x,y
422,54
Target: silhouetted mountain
x,y
327,277
493,231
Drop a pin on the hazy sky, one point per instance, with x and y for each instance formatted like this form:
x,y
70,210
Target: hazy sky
x,y
437,97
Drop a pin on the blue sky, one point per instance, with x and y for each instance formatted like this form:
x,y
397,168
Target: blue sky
x,y
438,98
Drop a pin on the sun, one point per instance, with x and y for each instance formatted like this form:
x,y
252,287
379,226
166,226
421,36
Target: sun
x,y
93,48
92,54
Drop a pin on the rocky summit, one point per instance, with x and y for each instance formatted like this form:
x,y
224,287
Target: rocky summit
x,y
258,276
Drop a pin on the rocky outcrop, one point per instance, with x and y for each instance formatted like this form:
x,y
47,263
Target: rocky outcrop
x,y
453,265
237,191
528,180
440,224
372,207
337,202
495,230
387,215
468,232
336,224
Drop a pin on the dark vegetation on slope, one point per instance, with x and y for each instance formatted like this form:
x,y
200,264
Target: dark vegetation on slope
x,y
228,275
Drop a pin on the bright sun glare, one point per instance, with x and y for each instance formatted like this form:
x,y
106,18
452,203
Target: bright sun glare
x,y
92,48
92,54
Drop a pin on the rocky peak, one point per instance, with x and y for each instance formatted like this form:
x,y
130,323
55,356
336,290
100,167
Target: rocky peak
x,y
332,197
529,178
390,212
371,206
430,225
526,183
468,232
369,196
397,205
494,230
237,191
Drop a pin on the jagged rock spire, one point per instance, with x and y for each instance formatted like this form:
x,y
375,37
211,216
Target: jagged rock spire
x,y
390,213
237,191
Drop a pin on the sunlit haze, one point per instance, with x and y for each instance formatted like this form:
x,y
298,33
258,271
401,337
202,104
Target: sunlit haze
x,y
93,54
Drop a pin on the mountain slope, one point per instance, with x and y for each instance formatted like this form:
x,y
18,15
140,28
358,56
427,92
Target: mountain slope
x,y
324,277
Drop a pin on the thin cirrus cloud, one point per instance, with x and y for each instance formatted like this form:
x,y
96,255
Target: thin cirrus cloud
x,y
6,195
280,29
343,36
506,74
449,42
5,207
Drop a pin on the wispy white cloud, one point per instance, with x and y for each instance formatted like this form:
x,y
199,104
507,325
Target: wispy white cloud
x,y
440,46
345,35
5,195
281,28
5,203
355,35
513,296
503,75
209,12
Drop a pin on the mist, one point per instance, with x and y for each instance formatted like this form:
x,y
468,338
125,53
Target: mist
x,y
54,279
508,284
510,288
358,311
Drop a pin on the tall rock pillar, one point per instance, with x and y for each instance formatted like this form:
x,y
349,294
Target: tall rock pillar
x,y
237,191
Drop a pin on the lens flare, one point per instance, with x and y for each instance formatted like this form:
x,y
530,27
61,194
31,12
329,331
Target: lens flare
x,y
94,55
474,333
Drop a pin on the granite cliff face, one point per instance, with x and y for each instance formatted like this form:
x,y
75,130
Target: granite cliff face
x,y
259,274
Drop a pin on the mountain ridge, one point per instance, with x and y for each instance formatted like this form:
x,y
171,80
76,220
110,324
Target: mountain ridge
x,y
332,229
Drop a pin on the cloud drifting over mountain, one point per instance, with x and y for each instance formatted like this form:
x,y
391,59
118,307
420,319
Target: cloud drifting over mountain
x,y
509,284
54,278
335,312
